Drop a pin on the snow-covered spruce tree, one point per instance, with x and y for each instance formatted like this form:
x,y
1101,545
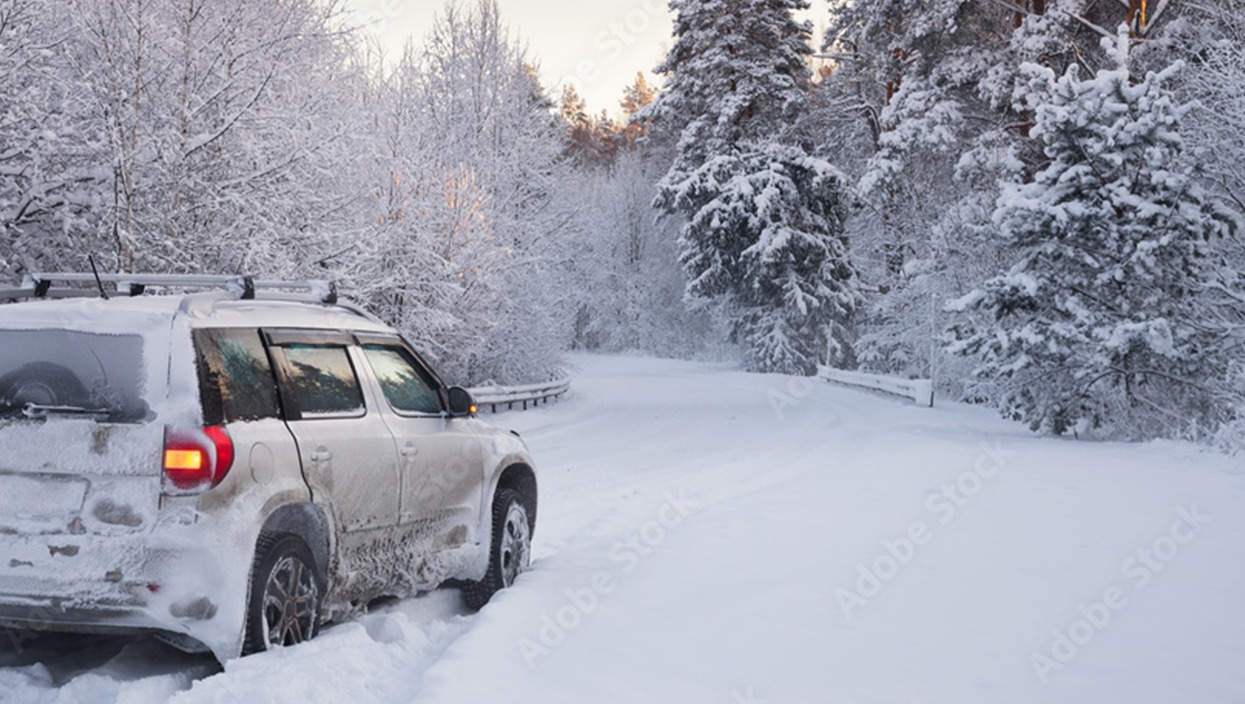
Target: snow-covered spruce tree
x,y
910,95
763,235
931,84
769,227
1098,327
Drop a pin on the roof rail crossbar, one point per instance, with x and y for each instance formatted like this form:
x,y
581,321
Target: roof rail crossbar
x,y
321,290
21,294
136,284
37,285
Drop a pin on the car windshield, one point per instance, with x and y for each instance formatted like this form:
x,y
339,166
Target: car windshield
x,y
45,373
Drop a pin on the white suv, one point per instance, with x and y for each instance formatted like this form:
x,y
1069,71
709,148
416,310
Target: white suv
x,y
232,468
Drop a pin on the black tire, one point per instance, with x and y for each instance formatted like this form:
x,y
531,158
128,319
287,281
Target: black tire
x,y
283,607
510,548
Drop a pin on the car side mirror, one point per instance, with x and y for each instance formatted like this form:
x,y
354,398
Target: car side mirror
x,y
461,402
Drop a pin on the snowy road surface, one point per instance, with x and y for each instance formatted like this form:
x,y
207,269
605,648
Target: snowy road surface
x,y
711,537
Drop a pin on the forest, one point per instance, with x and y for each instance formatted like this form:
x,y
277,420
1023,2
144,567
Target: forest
x,y
1037,203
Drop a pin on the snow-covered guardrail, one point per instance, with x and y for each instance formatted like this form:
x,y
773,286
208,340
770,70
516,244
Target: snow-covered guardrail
x,y
919,390
508,396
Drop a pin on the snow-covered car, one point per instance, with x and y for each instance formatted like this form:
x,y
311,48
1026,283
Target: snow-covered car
x,y
231,468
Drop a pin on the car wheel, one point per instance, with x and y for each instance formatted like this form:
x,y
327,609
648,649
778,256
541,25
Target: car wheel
x,y
284,602
509,551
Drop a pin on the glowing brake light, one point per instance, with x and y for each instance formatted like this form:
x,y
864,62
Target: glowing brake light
x,y
184,460
196,459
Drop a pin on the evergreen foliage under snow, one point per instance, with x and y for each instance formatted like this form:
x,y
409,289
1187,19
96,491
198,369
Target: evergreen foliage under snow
x,y
1098,321
765,235
763,239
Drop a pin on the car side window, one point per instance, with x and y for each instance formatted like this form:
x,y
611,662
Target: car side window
x,y
322,381
235,376
405,385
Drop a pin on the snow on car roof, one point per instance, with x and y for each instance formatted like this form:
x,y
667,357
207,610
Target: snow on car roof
x,y
117,315
276,313
141,314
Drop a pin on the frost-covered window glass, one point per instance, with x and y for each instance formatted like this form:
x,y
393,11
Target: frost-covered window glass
x,y
68,373
405,386
235,377
323,381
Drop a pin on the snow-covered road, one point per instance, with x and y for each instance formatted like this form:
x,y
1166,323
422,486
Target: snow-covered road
x,y
707,536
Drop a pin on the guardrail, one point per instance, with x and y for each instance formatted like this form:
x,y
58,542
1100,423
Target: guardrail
x,y
531,394
920,391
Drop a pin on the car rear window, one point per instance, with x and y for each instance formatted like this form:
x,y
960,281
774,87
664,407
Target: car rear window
x,y
235,376
322,381
51,372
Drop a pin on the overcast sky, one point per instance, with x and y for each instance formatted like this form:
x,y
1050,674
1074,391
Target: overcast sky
x,y
596,44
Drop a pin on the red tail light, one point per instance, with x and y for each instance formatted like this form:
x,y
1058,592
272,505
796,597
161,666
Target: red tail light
x,y
196,459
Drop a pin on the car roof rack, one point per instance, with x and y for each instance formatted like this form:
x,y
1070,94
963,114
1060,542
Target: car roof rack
x,y
40,285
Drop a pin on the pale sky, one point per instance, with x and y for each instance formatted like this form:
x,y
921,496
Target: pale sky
x,y
598,45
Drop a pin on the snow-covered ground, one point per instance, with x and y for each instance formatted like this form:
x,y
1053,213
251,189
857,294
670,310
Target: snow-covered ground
x,y
707,536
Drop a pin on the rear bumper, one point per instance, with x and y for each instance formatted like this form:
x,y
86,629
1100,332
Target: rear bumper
x,y
24,613
124,584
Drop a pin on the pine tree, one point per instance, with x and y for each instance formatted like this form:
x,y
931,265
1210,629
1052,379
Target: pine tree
x,y
1098,325
636,97
735,74
926,87
592,139
771,220
763,238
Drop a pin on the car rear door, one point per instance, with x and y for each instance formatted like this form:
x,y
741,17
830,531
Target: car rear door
x,y
347,452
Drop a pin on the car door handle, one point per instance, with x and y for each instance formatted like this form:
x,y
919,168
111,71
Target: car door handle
x,y
409,450
321,455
